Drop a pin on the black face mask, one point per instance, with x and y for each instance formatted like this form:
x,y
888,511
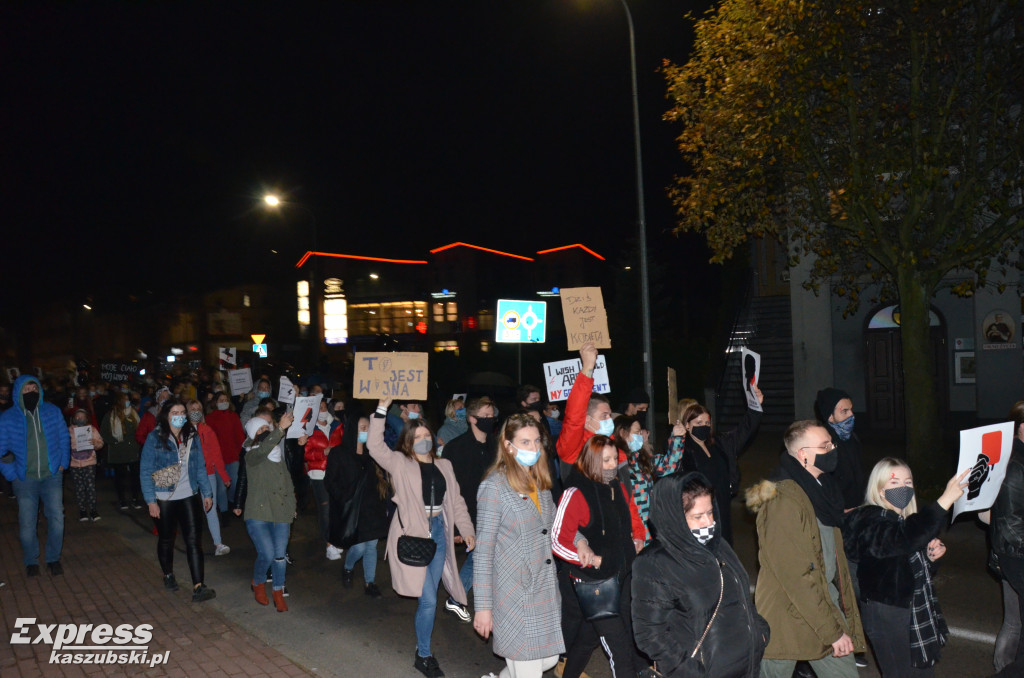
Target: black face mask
x,y
536,407
30,399
701,433
828,461
260,437
486,424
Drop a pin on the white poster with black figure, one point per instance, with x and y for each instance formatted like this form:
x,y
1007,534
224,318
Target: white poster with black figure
x,y
83,438
305,411
286,391
750,363
986,451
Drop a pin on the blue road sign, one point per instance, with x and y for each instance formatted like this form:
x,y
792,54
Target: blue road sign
x,y
260,349
521,322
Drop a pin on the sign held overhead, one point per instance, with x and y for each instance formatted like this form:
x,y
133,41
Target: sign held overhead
x,y
402,376
585,317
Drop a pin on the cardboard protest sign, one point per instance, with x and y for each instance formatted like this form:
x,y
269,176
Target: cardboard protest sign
x,y
402,376
561,375
585,317
986,451
83,438
286,391
750,363
305,411
228,356
459,396
240,381
673,396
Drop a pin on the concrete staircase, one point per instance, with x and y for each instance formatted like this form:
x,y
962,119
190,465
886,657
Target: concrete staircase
x,y
765,327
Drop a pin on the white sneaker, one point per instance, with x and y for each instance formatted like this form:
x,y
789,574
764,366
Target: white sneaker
x,y
222,550
333,552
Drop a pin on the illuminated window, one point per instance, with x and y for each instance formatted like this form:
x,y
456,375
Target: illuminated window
x,y
245,300
398,317
451,310
486,320
441,346
485,346
439,312
335,321
302,293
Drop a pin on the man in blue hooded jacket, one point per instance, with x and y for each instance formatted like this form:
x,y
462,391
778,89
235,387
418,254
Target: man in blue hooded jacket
x,y
35,448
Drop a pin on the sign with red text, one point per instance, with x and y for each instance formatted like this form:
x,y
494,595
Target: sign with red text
x,y
560,376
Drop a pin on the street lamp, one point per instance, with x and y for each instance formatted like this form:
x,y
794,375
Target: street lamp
x,y
273,202
645,290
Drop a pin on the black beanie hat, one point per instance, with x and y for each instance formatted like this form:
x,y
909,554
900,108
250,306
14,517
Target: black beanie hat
x,y
638,395
827,400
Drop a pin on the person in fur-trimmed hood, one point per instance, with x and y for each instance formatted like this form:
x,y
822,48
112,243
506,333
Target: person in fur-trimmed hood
x,y
804,589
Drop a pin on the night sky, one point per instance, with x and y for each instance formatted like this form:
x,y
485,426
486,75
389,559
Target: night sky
x,y
137,138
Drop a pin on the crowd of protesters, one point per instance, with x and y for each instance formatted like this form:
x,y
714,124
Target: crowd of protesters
x,y
579,534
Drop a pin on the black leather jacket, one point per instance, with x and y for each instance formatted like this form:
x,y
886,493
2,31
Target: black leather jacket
x,y
1008,511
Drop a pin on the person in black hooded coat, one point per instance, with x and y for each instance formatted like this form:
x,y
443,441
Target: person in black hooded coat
x,y
678,582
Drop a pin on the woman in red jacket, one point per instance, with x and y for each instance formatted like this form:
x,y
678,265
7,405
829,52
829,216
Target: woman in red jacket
x,y
326,435
214,467
225,423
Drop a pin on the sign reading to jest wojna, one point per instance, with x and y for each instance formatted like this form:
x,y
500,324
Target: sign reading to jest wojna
x,y
402,376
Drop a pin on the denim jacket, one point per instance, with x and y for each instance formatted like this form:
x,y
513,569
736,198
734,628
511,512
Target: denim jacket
x,y
157,454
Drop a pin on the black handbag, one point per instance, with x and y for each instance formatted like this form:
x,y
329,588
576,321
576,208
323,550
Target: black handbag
x,y
598,599
416,551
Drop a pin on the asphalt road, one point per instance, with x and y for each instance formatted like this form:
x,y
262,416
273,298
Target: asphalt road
x,y
333,631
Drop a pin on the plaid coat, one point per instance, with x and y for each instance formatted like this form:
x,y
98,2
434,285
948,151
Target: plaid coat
x,y
514,571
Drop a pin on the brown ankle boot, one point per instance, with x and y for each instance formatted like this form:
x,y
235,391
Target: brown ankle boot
x,y
261,593
279,601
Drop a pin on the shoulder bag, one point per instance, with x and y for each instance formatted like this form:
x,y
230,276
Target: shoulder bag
x,y
598,599
416,551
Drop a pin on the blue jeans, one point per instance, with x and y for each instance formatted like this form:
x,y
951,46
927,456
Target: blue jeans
x,y
466,573
212,517
29,493
425,613
367,552
226,494
271,542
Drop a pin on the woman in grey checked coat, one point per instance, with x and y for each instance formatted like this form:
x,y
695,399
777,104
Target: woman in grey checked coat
x,y
516,589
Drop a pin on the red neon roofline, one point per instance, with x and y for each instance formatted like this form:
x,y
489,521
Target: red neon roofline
x,y
482,249
357,256
565,247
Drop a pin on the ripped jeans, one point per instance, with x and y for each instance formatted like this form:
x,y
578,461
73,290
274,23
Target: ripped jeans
x,y
271,542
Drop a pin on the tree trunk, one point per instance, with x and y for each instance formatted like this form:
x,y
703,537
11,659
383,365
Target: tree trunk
x,y
920,401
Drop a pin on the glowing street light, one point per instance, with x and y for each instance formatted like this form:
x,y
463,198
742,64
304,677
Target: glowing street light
x,y
271,200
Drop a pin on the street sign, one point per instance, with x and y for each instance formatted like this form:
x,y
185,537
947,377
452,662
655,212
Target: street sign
x,y
258,338
260,350
521,322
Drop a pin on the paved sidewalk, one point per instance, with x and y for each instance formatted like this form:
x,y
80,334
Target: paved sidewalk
x,y
106,582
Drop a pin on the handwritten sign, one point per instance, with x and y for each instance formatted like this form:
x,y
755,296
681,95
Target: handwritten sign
x,y
240,381
560,377
113,372
750,364
986,451
306,410
585,317
83,438
286,391
390,375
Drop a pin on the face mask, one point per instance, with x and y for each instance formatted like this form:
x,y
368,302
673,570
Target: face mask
x,y
423,446
605,427
178,420
844,428
81,422
260,436
339,413
827,462
413,415
322,420
703,534
262,394
701,433
485,424
30,399
304,394
526,457
536,407
223,406
554,414
363,436
460,415
92,394
636,441
608,474
127,406
899,496
195,417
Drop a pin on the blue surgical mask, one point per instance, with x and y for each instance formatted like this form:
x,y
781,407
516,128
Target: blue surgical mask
x,y
363,436
460,415
413,415
605,427
844,428
636,441
262,394
526,457
178,420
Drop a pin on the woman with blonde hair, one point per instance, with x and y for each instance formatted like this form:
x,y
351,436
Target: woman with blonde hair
x,y
896,547
118,431
513,571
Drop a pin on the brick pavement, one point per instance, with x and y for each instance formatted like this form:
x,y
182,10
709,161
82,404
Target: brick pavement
x,y
106,582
